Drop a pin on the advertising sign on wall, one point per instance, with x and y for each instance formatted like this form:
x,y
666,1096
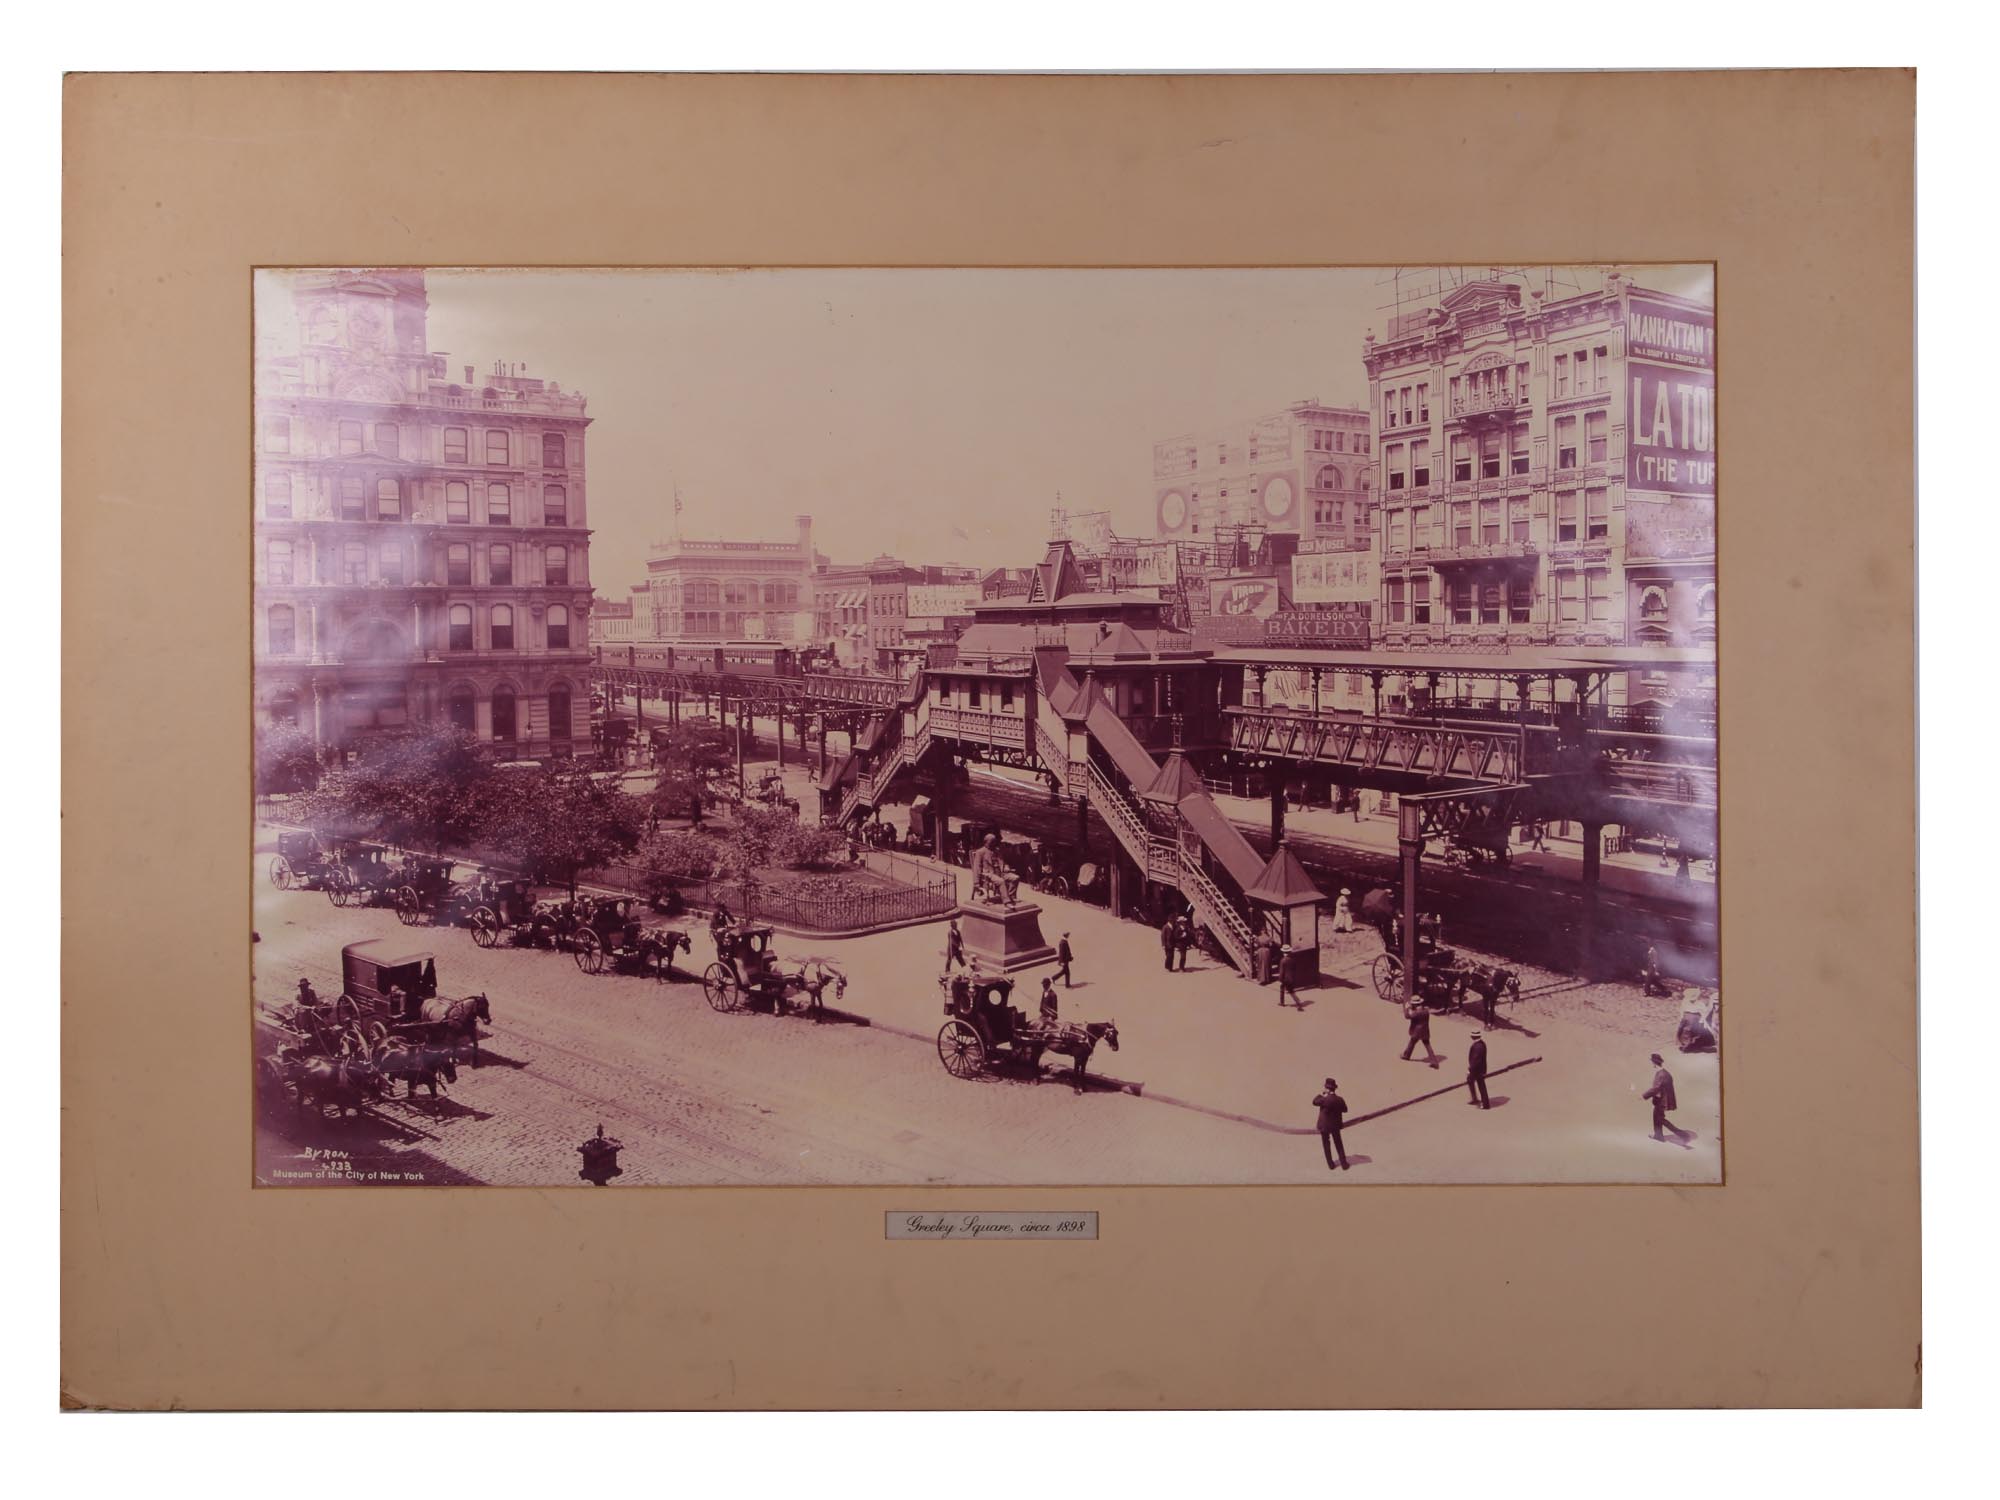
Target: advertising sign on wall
x,y
1670,431
1334,577
1243,598
1680,529
1340,625
1157,565
1088,532
939,601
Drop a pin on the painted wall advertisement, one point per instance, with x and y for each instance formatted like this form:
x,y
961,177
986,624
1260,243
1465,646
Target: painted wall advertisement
x,y
1237,610
1339,625
1670,432
1678,529
942,601
1334,577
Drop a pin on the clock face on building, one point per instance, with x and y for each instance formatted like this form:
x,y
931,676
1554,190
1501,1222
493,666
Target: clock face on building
x,y
1173,511
1277,498
366,323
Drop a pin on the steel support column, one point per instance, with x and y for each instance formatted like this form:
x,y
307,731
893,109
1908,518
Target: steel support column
x,y
1410,840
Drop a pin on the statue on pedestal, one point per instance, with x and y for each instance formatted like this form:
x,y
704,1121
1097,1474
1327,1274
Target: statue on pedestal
x,y
992,880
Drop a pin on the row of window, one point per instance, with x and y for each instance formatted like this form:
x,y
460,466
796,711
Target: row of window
x,y
705,593
462,709
385,705
1583,596
1582,372
282,628
1335,441
974,694
1407,407
355,503
351,563
1454,525
357,439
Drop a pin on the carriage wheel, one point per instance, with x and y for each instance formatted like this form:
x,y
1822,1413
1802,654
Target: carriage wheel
x,y
281,872
485,927
409,907
589,952
961,1051
1388,975
720,986
1055,885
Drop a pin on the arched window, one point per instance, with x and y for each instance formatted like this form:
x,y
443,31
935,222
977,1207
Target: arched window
x,y
1329,478
277,562
558,628
496,446
555,565
460,709
770,593
454,445
503,713
555,506
1704,607
459,628
503,627
1653,606
388,500
552,450
458,564
499,505
500,563
560,727
457,502
282,634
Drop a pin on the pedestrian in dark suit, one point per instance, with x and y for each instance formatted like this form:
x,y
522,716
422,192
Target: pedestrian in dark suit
x,y
1168,938
1662,1096
1475,1072
954,952
1332,1110
1420,1030
1183,938
1065,956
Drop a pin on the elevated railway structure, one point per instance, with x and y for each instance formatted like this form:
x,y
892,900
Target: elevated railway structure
x,y
1126,717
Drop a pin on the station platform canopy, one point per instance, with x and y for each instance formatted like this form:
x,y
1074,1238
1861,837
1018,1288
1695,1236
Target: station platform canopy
x,y
1544,662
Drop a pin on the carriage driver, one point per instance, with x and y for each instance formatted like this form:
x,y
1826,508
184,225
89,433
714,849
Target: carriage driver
x,y
308,996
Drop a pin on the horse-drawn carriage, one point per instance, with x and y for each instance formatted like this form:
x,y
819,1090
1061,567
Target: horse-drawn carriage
x,y
747,972
302,863
429,894
387,1023
612,937
516,918
1445,978
362,875
984,1033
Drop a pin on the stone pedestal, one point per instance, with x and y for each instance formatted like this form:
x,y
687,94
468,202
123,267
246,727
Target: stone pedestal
x,y
1004,939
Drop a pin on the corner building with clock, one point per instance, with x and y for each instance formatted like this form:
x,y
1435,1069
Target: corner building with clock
x,y
1306,471
422,552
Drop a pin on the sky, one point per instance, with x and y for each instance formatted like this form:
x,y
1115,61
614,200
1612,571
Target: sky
x,y
935,415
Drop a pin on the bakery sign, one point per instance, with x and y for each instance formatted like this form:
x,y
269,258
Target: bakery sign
x,y
1340,625
1678,530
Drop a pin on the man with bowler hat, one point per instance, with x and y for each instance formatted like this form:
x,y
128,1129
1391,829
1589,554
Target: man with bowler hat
x,y
1420,1030
1662,1096
1475,1071
1332,1110
1064,957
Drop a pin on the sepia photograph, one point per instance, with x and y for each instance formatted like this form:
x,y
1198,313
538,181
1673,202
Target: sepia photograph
x,y
966,726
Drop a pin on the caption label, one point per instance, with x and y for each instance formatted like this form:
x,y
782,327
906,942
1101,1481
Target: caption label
x,y
903,1224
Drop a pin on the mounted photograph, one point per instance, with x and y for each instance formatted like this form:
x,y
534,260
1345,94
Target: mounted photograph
x,y
969,726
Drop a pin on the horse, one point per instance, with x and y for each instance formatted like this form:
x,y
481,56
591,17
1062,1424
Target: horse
x,y
416,1063
1076,1040
812,976
665,942
1489,982
458,1020
345,1083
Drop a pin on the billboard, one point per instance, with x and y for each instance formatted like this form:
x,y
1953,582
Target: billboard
x,y
1243,598
1676,529
1338,625
1334,577
1088,532
941,601
1670,442
1157,565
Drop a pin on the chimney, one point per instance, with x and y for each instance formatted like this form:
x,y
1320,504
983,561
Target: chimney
x,y
468,374
805,534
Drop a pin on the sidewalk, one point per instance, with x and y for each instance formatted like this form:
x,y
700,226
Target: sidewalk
x,y
1209,1040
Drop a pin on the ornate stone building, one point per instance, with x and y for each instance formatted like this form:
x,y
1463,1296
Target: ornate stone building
x,y
1548,473
422,550
728,591
1305,471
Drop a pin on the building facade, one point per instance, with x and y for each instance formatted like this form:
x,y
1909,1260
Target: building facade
x,y
729,591
1548,472
1307,471
611,622
422,547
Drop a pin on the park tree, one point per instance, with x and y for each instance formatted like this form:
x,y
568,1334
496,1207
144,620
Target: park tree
x,y
422,790
691,760
287,760
559,821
